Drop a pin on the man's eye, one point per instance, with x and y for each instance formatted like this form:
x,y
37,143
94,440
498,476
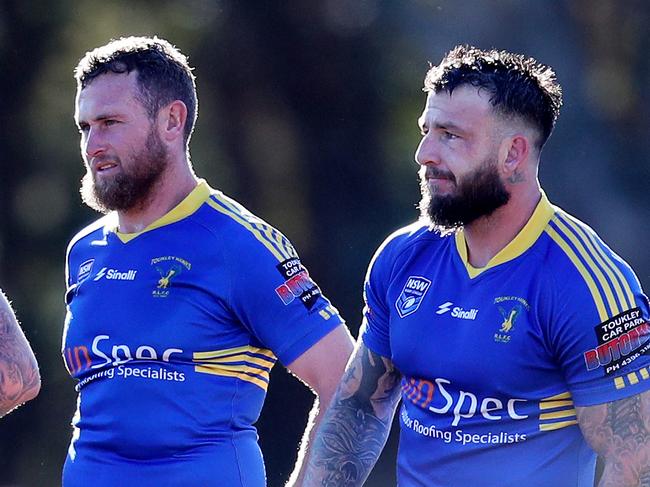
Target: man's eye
x,y
110,122
449,135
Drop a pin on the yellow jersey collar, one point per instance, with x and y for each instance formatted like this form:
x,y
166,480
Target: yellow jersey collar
x,y
526,237
185,208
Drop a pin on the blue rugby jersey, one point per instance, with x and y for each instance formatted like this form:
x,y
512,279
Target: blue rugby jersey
x,y
172,333
495,360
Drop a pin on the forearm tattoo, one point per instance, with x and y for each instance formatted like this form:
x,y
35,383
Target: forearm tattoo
x,y
620,433
19,377
357,423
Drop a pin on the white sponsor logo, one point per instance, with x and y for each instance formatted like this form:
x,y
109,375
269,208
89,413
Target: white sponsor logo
x,y
412,295
115,274
84,270
441,397
122,353
459,435
457,311
466,405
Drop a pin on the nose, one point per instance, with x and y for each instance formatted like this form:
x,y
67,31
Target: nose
x,y
92,144
427,153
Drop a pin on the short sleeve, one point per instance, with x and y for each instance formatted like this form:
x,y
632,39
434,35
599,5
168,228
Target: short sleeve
x,y
376,312
274,297
600,332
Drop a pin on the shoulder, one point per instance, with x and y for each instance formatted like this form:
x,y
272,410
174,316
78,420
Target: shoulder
x,y
580,245
576,254
96,230
407,238
241,230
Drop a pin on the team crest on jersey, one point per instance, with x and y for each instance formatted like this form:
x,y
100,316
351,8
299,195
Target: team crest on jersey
x,y
169,267
412,295
84,270
510,308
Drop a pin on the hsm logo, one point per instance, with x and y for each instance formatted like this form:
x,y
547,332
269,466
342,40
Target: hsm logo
x,y
412,295
84,270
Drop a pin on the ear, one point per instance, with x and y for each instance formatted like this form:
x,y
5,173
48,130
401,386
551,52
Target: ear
x,y
172,120
516,150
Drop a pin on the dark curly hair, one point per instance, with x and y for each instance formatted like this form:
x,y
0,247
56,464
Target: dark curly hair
x,y
164,74
518,86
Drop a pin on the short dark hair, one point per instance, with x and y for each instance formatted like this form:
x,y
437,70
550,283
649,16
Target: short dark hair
x,y
518,86
164,74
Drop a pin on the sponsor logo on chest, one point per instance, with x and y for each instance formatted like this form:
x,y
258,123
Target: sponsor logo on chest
x,y
457,311
412,294
115,274
84,270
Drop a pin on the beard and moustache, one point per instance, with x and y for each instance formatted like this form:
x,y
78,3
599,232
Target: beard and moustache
x,y
132,187
478,194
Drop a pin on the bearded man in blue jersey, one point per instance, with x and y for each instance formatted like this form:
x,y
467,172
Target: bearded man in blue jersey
x,y
179,300
515,338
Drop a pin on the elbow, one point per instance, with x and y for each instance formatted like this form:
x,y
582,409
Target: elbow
x,y
31,381
34,387
15,394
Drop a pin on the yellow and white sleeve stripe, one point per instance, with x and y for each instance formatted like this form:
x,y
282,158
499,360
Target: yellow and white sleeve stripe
x,y
557,412
246,363
608,286
272,239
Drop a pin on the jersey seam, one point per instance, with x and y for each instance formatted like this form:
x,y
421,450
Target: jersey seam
x,y
407,246
232,429
230,273
550,276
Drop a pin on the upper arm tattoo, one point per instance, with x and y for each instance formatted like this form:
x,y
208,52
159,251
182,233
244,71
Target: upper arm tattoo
x,y
619,432
356,425
19,377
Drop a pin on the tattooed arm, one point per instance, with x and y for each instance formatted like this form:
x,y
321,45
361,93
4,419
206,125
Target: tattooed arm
x,y
356,425
619,432
19,377
321,368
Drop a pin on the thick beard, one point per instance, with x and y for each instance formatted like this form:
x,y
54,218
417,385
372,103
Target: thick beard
x,y
130,189
477,195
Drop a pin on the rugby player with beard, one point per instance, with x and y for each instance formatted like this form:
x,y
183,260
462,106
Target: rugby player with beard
x,y
179,300
516,340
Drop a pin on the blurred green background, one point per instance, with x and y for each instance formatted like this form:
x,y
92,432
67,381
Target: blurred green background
x,y
307,116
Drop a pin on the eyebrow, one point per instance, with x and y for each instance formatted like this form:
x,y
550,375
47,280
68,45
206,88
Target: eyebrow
x,y
445,125
98,118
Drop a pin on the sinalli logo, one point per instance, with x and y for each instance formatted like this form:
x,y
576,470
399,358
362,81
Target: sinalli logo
x,y
115,275
457,311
